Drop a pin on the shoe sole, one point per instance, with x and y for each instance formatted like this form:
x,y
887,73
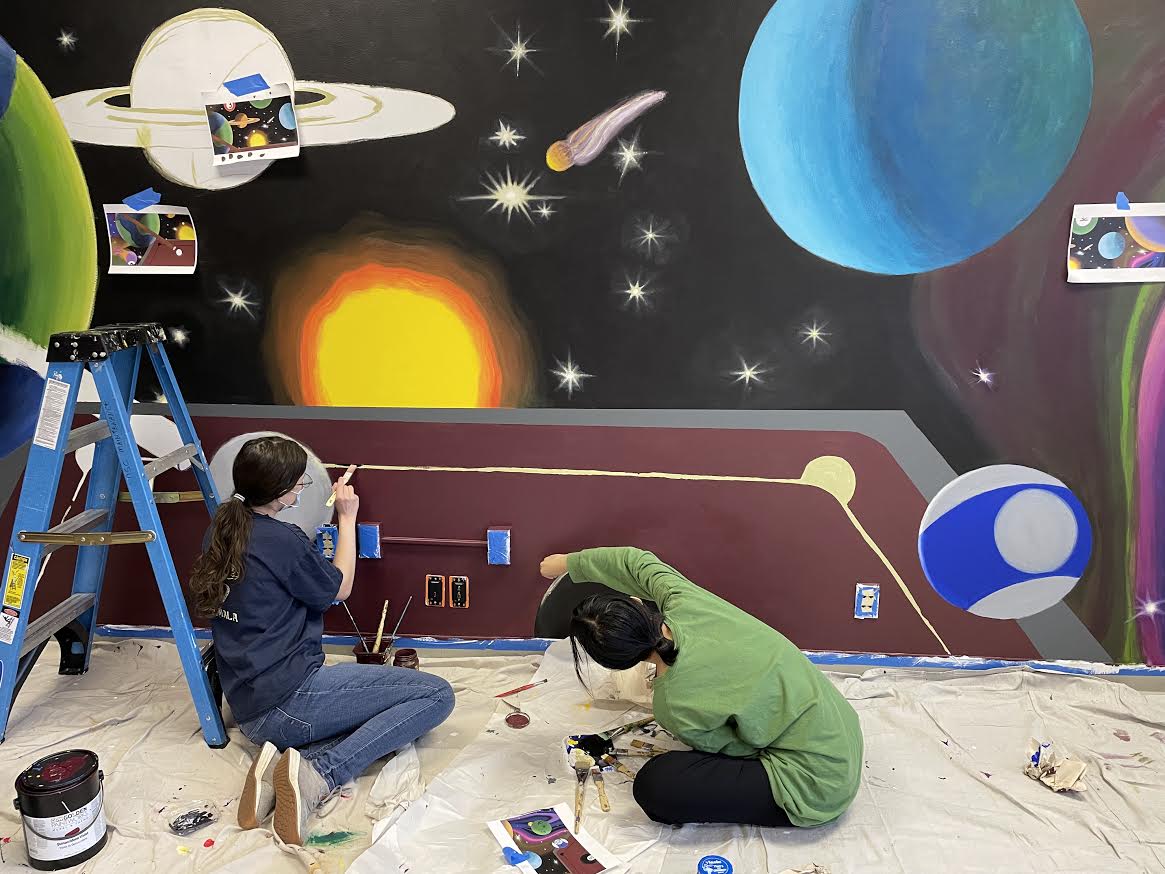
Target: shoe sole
x,y
249,801
286,780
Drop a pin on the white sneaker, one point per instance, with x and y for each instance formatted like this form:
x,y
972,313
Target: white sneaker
x,y
258,798
299,790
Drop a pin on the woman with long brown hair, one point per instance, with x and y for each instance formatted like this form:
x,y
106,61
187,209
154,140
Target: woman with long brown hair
x,y
266,589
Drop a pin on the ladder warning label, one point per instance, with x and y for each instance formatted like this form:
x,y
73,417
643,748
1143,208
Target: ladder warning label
x,y
8,623
52,413
17,577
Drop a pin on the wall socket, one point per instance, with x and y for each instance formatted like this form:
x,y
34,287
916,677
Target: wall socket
x,y
434,590
459,592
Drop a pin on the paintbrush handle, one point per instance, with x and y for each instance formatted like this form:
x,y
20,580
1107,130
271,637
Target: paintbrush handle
x,y
380,628
601,788
399,621
521,689
342,481
579,791
619,766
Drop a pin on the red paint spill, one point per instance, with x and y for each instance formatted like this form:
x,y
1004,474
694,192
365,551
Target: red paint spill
x,y
1121,734
209,842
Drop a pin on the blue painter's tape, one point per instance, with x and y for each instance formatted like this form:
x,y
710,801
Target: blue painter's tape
x,y
497,546
866,601
513,857
368,540
1122,201
142,199
714,865
246,85
326,540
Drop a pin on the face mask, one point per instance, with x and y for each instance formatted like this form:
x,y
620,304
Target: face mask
x,y
293,504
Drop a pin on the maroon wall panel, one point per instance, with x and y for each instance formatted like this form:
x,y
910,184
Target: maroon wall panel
x,y
786,553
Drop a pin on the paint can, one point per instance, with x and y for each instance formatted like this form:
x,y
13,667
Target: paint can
x,y
60,799
406,658
714,865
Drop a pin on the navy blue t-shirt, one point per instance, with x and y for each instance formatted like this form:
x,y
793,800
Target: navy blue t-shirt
x,y
268,634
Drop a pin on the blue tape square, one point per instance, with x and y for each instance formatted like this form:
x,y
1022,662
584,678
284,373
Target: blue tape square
x,y
497,545
866,601
326,540
368,540
142,199
246,85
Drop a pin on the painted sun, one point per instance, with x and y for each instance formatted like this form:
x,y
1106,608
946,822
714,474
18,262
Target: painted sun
x,y
392,319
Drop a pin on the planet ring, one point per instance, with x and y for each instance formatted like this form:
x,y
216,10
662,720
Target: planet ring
x,y
333,113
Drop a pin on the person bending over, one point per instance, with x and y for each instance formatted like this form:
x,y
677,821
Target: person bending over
x,y
267,589
774,742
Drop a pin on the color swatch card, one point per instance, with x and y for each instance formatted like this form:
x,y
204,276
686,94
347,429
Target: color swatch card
x,y
545,844
1110,244
259,126
153,239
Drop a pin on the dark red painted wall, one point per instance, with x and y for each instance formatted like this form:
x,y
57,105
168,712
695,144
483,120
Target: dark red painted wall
x,y
786,553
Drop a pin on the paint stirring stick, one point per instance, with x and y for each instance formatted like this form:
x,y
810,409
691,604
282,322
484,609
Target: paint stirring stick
x,y
343,481
392,639
359,633
380,629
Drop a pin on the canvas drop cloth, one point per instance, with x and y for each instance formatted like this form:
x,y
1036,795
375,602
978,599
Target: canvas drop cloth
x,y
943,789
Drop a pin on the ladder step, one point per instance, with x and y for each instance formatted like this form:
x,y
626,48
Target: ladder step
x,y
170,459
55,619
86,521
87,435
166,497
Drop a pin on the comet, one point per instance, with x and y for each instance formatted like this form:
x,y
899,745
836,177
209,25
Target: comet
x,y
587,142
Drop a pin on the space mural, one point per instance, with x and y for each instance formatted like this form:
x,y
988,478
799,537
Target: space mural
x,y
807,204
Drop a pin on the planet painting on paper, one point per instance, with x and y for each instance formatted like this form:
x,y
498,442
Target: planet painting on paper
x,y
1110,244
898,138
157,239
260,127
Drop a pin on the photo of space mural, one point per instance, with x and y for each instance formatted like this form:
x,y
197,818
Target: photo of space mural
x,y
756,205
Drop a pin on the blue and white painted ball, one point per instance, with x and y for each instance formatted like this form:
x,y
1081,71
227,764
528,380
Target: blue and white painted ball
x,y
1004,541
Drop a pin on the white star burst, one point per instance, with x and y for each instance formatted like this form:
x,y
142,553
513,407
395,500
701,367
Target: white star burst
x,y
544,211
636,290
506,137
179,336
748,373
651,236
983,377
628,156
570,377
238,301
516,50
511,195
618,23
67,40
1148,610
814,334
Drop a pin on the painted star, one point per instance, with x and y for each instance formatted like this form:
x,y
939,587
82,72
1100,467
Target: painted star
x,y
179,337
748,373
67,40
238,301
628,156
506,137
516,50
1149,610
636,290
511,195
983,377
544,211
618,23
570,377
651,236
815,334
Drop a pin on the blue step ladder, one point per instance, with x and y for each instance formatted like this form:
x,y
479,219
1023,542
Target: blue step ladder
x,y
113,355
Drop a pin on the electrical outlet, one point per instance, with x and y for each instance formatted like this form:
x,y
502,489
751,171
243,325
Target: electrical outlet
x,y
434,590
459,592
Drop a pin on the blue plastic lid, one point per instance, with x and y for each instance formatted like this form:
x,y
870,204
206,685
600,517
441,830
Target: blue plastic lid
x,y
714,865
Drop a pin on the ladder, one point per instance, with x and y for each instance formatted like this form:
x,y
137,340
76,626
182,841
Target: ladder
x,y
112,354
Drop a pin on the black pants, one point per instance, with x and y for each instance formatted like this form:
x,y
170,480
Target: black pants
x,y
682,787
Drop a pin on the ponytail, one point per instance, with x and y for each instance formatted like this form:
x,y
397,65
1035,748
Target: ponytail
x,y
666,650
222,560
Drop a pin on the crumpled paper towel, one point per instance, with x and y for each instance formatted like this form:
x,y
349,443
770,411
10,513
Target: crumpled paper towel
x,y
1053,769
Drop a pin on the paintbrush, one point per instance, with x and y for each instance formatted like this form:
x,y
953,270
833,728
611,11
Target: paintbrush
x,y
601,787
582,764
623,729
392,639
646,747
521,689
380,630
642,754
342,481
619,766
359,633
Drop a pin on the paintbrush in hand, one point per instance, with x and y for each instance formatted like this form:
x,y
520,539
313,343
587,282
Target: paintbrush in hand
x,y
343,481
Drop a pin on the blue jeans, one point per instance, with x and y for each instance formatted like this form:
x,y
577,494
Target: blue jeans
x,y
345,717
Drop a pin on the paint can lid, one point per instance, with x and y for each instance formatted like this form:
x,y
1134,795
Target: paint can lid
x,y
56,772
714,865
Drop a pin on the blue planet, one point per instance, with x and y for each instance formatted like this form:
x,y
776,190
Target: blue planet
x,y
21,388
900,136
1111,245
287,116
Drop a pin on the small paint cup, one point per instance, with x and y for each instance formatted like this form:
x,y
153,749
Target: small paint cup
x,y
365,657
406,658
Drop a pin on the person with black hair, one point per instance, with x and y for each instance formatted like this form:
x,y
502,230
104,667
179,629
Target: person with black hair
x,y
773,741
265,589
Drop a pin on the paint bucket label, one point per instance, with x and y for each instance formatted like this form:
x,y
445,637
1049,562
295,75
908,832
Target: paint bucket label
x,y
51,839
714,865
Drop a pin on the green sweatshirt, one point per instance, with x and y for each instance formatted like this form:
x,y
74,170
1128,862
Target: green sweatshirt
x,y
742,689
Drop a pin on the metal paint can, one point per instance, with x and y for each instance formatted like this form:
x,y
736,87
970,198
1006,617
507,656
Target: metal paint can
x,y
60,799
